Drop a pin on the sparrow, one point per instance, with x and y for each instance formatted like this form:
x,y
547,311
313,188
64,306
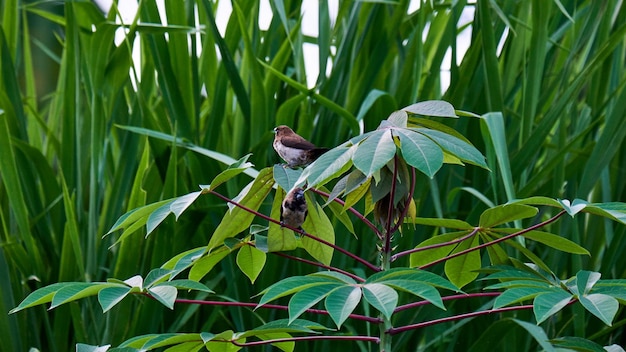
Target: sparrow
x,y
295,150
293,210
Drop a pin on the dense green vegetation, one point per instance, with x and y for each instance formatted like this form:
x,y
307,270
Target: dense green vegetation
x,y
83,141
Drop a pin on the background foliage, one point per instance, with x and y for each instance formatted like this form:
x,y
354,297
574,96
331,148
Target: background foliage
x,y
552,72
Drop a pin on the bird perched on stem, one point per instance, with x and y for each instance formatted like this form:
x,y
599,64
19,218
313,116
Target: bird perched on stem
x,y
294,149
294,210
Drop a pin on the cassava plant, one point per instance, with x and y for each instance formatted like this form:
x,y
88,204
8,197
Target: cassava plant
x,y
373,178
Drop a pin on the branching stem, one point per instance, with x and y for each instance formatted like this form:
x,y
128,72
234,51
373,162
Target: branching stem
x,y
501,239
333,246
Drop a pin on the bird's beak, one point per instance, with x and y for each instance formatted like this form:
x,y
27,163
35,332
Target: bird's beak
x,y
275,130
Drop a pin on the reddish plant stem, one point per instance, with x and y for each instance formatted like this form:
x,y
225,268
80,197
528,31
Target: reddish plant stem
x,y
305,338
432,246
447,298
501,239
352,210
268,306
310,262
263,216
400,329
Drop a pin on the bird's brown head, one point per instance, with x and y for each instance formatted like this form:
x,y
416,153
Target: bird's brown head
x,y
283,130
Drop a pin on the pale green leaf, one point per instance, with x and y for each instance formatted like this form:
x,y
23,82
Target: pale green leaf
x,y
341,302
307,298
110,296
381,297
547,304
318,225
251,261
505,213
438,108
420,152
374,153
165,294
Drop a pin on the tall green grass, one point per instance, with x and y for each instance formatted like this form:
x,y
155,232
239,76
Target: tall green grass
x,y
553,69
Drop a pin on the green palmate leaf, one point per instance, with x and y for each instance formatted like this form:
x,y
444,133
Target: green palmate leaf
x,y
438,108
398,118
584,282
183,260
238,219
331,164
572,208
135,282
381,297
186,285
437,126
357,194
317,224
549,239
287,346
138,215
155,276
305,299
289,286
506,213
222,342
39,296
510,273
286,177
165,294
602,306
417,259
374,152
613,210
251,261
334,276
548,304
613,288
284,325
73,291
158,340
456,147
518,283
203,265
538,200
419,151
447,223
233,170
110,296
417,288
341,302
157,216
463,269
518,294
